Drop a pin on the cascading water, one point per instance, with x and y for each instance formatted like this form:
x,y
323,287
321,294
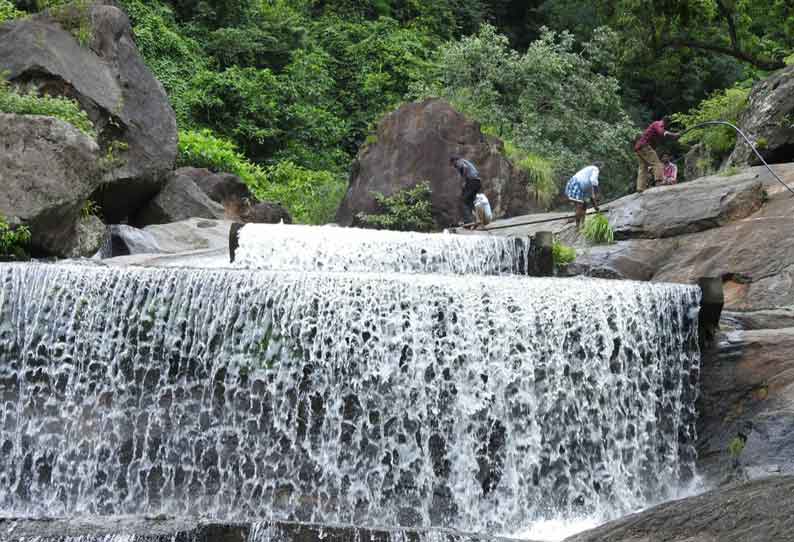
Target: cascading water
x,y
328,248
374,399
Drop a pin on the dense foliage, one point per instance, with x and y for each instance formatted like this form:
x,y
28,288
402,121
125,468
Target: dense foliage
x,y
284,92
13,101
407,210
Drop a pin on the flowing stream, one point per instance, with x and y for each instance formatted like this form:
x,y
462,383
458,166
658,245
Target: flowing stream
x,y
477,402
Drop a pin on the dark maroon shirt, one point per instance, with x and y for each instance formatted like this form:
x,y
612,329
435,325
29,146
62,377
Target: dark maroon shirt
x,y
650,135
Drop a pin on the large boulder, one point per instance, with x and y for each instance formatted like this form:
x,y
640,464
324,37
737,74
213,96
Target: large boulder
x,y
667,211
135,123
767,121
48,169
413,145
180,199
758,511
200,193
266,212
225,188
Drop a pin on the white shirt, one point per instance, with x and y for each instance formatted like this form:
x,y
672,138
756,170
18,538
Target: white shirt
x,y
587,178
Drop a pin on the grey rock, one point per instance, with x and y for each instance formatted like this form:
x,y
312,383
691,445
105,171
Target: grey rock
x,y
113,85
89,237
666,211
698,163
763,319
768,121
47,170
266,212
180,199
747,388
757,511
413,144
223,188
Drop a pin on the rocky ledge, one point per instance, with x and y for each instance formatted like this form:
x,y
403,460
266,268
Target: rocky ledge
x,y
757,511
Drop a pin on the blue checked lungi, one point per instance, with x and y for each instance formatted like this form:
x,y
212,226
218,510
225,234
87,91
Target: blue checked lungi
x,y
574,191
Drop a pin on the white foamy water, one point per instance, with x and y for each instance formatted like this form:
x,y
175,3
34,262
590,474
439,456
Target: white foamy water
x,y
328,248
474,402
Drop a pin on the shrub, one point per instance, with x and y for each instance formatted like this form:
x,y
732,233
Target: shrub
x,y
312,197
13,240
406,210
13,101
725,105
541,177
202,148
563,254
8,11
598,231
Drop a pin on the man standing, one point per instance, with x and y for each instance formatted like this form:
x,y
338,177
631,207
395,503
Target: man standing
x,y
580,188
644,147
471,185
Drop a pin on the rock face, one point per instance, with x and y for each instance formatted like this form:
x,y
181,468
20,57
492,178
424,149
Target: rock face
x,y
688,207
748,394
130,110
48,169
413,145
180,199
768,121
89,237
758,511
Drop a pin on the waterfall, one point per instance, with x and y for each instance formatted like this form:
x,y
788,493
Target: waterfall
x,y
374,399
328,248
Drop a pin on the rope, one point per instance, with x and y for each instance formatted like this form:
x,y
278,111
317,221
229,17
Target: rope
x,y
738,131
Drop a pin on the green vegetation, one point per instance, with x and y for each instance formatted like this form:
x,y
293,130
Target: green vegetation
x,y
736,447
9,11
285,92
597,230
407,210
20,103
73,16
311,196
90,208
725,105
14,240
563,254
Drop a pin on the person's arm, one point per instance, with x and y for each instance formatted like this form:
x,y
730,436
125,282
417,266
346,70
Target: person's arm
x,y
594,199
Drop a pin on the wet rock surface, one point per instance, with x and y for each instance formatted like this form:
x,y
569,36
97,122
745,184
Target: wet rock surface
x,y
413,145
168,529
757,511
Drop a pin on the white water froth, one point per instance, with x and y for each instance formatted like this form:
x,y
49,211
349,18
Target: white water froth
x,y
328,248
483,403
